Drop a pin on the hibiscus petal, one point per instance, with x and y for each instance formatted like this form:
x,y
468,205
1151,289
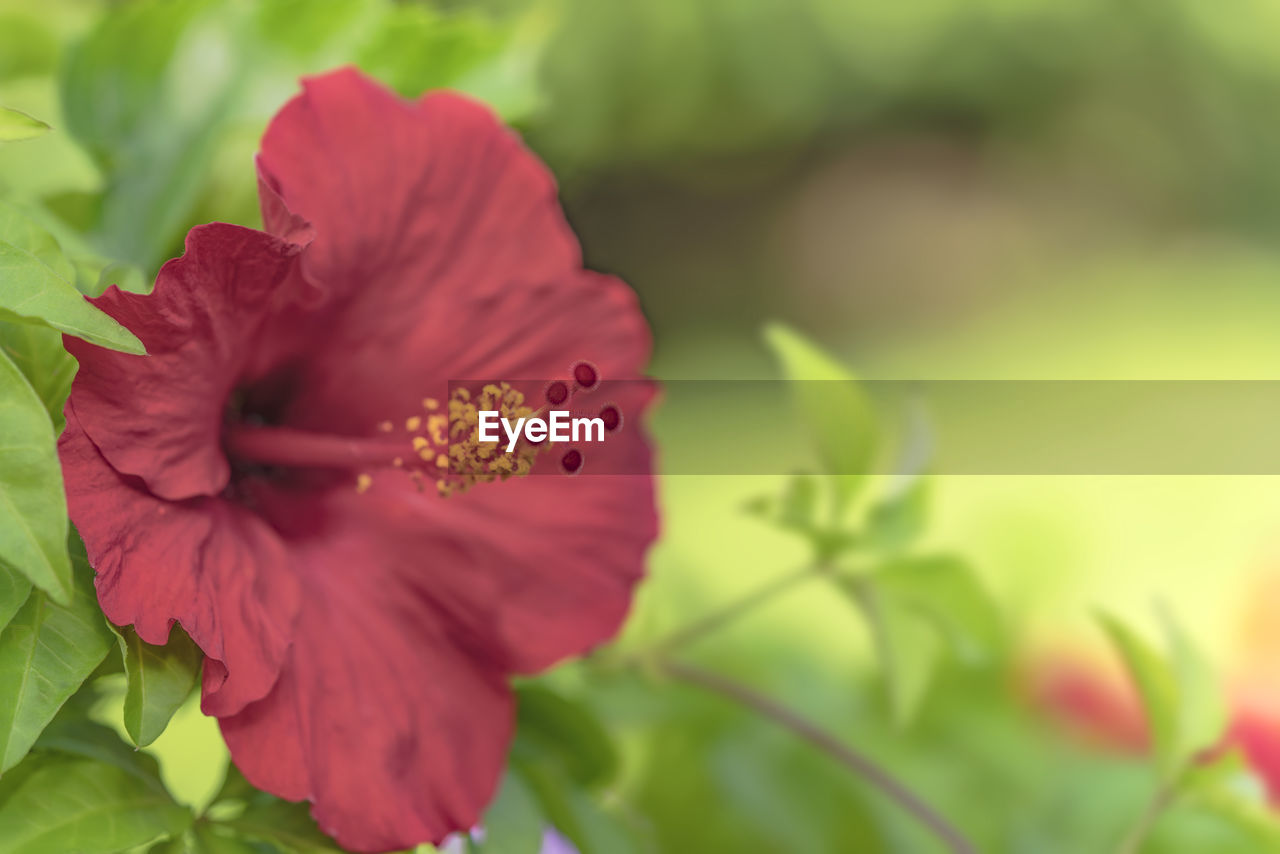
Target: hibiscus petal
x,y
531,334
441,239
209,565
524,572
537,569
388,182
159,416
379,718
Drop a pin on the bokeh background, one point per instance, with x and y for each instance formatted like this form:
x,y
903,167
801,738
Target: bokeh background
x,y
1031,189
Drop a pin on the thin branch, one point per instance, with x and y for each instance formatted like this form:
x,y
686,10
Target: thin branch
x,y
1155,808
718,619
863,766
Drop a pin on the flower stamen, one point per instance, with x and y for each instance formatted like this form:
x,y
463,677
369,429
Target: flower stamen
x,y
444,446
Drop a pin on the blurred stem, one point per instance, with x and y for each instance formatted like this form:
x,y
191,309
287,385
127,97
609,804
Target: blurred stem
x,y
867,769
718,619
1142,828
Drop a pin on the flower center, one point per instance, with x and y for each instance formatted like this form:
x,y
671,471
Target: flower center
x,y
440,446
471,461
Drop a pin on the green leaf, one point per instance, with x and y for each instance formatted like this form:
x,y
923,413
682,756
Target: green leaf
x,y
1201,713
243,811
212,838
593,828
906,646
945,591
1228,788
303,29
596,829
87,807
1158,690
834,407
234,786
37,285
13,779
513,823
140,94
918,609
15,125
1184,703
415,48
33,506
71,734
795,509
126,277
799,506
555,731
159,678
899,519
282,823
14,590
21,229
46,652
37,351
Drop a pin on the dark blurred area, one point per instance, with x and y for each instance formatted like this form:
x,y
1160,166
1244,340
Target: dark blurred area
x,y
857,168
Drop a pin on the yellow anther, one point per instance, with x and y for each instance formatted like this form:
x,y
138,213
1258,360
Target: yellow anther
x,y
438,426
386,426
363,482
430,403
412,423
467,460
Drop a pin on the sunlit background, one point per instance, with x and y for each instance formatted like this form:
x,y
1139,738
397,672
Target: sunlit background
x,y
1033,189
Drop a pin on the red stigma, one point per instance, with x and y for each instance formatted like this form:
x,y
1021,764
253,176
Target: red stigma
x,y
557,392
612,417
585,375
571,462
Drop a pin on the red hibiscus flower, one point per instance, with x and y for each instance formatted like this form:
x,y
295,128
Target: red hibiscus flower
x,y
285,475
